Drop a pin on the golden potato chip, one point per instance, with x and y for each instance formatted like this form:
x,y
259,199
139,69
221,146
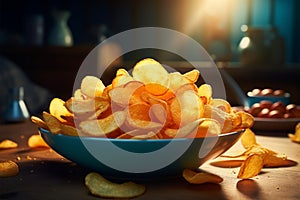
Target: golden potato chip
x,y
86,106
57,109
208,127
139,111
189,129
200,177
52,123
192,75
247,119
35,141
296,136
177,80
205,90
122,78
104,127
92,86
151,71
99,186
38,121
127,94
221,104
8,168
251,166
186,107
78,95
248,138
156,89
69,130
8,144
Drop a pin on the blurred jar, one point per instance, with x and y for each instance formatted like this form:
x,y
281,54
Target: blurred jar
x,y
252,47
34,30
60,33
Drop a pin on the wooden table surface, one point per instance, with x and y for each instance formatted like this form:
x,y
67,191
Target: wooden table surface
x,y
46,175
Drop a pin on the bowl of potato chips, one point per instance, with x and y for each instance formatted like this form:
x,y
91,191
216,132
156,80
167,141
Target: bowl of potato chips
x,y
147,122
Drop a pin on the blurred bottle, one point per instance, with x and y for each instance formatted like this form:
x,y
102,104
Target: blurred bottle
x,y
17,110
60,33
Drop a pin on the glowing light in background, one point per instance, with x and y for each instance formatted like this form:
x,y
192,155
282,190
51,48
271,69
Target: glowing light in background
x,y
245,42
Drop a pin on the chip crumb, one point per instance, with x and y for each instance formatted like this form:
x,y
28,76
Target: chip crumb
x,y
18,158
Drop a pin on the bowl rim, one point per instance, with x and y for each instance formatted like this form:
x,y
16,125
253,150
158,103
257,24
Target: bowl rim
x,y
45,131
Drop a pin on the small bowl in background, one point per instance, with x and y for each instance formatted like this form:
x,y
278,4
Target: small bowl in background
x,y
258,95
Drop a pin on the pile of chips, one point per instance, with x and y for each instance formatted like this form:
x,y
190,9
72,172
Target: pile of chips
x,y
149,103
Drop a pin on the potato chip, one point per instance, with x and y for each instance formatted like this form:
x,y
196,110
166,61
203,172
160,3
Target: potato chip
x,y
186,107
205,90
248,138
192,75
35,141
69,130
52,123
247,119
78,95
156,89
200,177
177,80
8,144
151,71
38,121
92,86
221,104
104,127
99,186
122,78
251,166
296,136
8,168
86,106
127,94
57,109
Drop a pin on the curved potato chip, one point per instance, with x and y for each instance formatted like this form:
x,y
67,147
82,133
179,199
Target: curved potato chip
x,y
177,80
221,104
205,90
38,121
57,109
248,138
200,177
156,89
150,71
36,141
101,187
104,127
85,106
7,144
92,86
8,168
192,75
52,123
251,166
127,94
186,107
122,78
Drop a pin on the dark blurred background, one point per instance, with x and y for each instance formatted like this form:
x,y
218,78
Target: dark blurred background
x,y
225,28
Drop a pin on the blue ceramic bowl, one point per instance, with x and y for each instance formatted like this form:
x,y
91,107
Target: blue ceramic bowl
x,y
128,158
